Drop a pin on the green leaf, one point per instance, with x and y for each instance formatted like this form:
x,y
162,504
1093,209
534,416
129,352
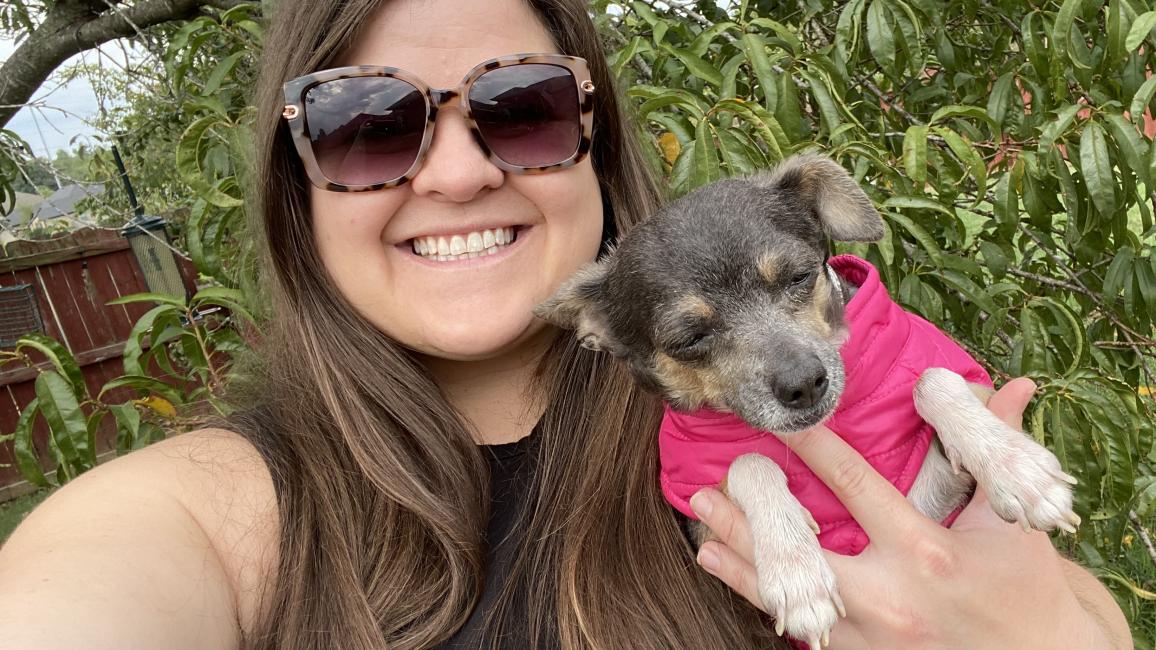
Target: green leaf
x,y
145,385
706,165
1118,271
133,350
646,13
1140,101
917,203
702,42
1038,55
1074,336
783,32
191,151
828,111
756,51
59,356
880,38
233,299
696,65
624,56
224,68
1062,29
971,160
162,298
994,258
1131,144
1057,127
1146,280
920,234
735,154
23,447
1141,27
1000,100
915,153
1096,167
60,408
973,112
765,125
730,73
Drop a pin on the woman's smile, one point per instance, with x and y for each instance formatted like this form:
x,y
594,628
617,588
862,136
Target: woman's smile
x,y
465,249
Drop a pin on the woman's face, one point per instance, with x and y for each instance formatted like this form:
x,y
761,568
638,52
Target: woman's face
x,y
462,309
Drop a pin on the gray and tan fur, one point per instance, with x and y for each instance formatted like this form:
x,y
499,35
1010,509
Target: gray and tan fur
x,y
723,299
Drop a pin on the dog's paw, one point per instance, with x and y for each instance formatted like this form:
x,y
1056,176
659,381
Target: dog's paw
x,y
1028,486
798,589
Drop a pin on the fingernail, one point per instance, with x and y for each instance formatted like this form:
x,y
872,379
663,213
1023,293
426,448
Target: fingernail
x,y
701,505
708,559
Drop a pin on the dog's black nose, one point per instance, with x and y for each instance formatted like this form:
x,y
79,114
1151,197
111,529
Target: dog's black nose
x,y
802,384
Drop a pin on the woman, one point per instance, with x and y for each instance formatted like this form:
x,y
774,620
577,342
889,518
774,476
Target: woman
x,y
351,507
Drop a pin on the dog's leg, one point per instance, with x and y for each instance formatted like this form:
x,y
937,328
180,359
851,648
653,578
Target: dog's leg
x,y
796,584
938,490
1022,479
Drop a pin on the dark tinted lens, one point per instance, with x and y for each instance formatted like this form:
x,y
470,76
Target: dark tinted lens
x,y
365,130
528,114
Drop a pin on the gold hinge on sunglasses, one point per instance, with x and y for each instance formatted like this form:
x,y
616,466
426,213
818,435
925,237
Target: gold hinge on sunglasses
x,y
588,87
289,112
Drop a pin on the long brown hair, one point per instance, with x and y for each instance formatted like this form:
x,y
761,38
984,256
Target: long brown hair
x,y
383,495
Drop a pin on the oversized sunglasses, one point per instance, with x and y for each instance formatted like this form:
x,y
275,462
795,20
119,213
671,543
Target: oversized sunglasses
x,y
363,128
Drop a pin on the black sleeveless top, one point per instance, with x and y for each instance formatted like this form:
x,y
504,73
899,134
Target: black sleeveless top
x,y
511,468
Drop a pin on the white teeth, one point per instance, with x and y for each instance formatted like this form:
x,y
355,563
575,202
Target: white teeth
x,y
474,242
463,246
457,245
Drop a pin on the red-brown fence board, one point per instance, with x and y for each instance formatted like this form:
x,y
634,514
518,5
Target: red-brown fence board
x,y
73,278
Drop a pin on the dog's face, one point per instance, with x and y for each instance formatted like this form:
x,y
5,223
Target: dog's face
x,y
722,299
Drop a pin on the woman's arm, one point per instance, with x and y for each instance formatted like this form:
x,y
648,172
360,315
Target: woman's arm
x,y
126,555
983,583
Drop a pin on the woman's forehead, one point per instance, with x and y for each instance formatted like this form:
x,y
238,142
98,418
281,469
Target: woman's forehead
x,y
441,40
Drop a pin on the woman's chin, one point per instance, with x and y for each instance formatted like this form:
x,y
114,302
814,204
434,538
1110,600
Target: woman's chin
x,y
479,343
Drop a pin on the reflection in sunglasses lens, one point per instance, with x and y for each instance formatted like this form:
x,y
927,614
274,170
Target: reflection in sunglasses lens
x,y
529,114
365,130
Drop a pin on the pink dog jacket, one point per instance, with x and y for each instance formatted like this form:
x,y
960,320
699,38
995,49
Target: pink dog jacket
x,y
887,350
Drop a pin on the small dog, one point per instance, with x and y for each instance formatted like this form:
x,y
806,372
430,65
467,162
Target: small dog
x,y
725,301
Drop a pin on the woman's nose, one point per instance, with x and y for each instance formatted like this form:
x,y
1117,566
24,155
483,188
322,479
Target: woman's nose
x,y
455,167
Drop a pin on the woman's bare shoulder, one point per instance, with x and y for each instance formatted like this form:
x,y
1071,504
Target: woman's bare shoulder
x,y
182,533
221,479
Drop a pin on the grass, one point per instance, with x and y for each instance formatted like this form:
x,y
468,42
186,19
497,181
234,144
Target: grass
x,y
13,512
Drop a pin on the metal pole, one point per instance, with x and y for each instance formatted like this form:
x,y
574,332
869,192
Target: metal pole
x,y
136,208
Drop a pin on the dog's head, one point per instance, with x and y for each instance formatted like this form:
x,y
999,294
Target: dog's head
x,y
723,298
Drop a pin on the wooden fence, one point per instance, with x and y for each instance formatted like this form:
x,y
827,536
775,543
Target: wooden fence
x,y
61,288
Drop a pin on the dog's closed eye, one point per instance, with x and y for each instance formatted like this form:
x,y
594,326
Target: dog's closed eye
x,y
800,281
690,344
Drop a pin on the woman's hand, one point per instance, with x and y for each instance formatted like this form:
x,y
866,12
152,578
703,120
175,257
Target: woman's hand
x,y
984,583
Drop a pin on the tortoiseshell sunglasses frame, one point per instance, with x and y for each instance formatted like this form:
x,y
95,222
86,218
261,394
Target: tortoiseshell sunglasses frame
x,y
295,115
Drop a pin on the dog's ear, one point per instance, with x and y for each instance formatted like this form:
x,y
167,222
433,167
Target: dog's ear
x,y
843,209
578,305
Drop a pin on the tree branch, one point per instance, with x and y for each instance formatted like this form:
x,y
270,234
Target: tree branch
x,y
73,26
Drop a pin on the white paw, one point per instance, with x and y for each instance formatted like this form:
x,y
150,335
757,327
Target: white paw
x,y
1028,486
797,587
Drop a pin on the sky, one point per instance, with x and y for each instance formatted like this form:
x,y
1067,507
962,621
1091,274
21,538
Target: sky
x,y
70,106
